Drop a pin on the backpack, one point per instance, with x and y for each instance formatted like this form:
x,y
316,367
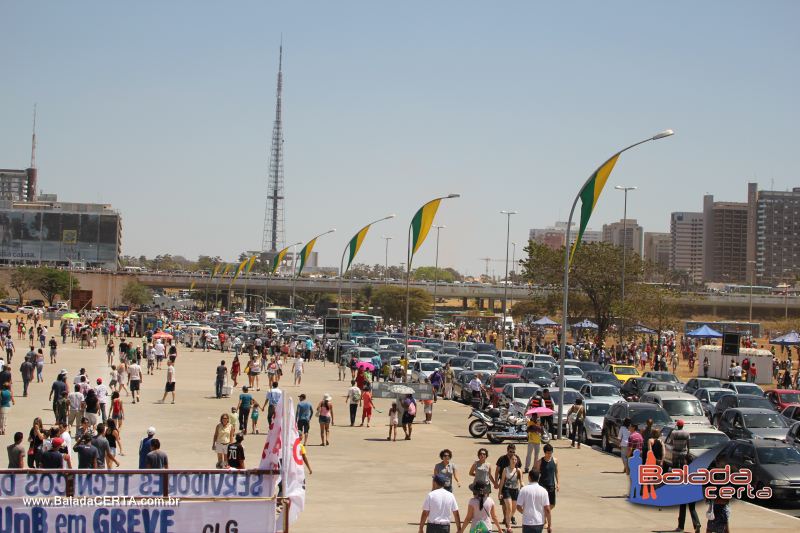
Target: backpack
x,y
356,396
412,409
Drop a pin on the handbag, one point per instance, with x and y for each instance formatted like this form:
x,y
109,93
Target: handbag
x,y
710,511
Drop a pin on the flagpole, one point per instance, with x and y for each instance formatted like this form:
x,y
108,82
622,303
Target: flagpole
x,y
410,256
564,317
302,264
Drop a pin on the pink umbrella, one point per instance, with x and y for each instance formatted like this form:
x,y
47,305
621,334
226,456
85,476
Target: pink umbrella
x,y
365,365
544,411
162,335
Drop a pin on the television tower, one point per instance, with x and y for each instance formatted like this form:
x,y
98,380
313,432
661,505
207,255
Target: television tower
x,y
273,235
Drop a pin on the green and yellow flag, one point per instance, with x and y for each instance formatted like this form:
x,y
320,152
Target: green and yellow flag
x,y
191,287
227,269
216,269
355,245
240,268
422,222
250,264
305,253
278,259
589,196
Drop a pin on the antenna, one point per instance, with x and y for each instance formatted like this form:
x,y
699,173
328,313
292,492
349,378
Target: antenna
x,y
33,139
273,234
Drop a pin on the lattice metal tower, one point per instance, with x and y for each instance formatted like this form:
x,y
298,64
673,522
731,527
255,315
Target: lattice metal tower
x,y
273,236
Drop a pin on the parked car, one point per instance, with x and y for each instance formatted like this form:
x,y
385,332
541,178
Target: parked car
x,y
664,386
783,398
569,370
601,376
679,405
596,409
753,423
461,390
701,439
518,394
484,367
589,366
423,368
744,388
701,383
791,414
709,397
639,413
633,389
623,372
544,358
570,395
738,400
496,384
773,464
793,435
537,376
510,369
669,377
600,390
485,347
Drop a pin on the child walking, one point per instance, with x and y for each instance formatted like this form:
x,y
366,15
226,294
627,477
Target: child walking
x,y
393,421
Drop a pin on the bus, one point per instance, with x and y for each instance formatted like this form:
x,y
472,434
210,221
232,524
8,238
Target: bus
x,y
351,326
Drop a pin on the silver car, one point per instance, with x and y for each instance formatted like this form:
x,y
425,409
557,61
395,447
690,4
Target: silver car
x,y
596,409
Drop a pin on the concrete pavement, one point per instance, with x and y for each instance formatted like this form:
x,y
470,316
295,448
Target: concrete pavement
x,y
360,482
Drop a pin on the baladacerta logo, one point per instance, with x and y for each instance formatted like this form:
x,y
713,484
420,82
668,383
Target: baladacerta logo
x,y
652,485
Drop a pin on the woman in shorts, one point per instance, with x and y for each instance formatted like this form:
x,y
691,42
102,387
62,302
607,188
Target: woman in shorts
x,y
510,483
325,413
224,434
117,409
255,370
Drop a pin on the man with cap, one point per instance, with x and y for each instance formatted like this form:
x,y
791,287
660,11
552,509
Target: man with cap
x,y
144,447
437,507
53,458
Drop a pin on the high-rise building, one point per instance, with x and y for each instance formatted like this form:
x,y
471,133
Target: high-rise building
x,y
777,235
18,185
625,232
554,236
657,247
724,241
686,236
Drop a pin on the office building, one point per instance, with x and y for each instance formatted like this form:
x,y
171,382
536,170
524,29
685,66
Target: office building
x,y
776,241
59,233
625,232
657,248
686,250
18,185
554,236
725,241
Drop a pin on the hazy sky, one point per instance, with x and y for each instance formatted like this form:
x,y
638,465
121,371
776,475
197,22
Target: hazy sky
x,y
164,109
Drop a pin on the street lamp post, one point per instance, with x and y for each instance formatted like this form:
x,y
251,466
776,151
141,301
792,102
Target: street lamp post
x,y
294,267
752,282
513,269
436,271
423,225
624,255
353,245
386,260
564,318
505,282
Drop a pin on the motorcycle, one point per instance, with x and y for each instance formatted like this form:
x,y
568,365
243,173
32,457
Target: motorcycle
x,y
515,429
484,420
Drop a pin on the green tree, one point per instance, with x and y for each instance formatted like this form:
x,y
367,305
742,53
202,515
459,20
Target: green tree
x,y
323,303
653,306
134,293
22,279
52,282
429,273
596,272
392,302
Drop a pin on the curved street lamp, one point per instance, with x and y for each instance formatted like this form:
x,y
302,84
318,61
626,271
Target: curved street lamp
x,y
306,251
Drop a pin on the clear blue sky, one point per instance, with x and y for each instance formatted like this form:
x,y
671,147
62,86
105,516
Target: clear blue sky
x,y
165,109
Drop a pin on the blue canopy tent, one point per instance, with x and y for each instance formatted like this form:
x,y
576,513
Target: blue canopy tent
x,y
789,339
584,324
704,332
545,322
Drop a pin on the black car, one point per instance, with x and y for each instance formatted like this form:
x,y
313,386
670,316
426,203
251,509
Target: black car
x,y
469,354
774,464
538,376
461,390
633,389
485,347
601,376
589,366
701,383
639,413
751,423
731,401
450,350
669,377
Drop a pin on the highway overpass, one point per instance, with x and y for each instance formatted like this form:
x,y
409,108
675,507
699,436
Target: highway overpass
x,y
107,287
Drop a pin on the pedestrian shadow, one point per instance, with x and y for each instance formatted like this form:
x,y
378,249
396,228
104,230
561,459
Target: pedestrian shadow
x,y
377,440
611,472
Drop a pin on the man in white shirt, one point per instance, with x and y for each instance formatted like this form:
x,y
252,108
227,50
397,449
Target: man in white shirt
x,y
135,380
297,367
76,407
102,397
438,505
534,504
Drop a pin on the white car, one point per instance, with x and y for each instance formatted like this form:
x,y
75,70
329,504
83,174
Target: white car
x,y
26,309
596,409
423,368
519,394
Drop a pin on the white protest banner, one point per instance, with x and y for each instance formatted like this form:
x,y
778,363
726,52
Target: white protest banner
x,y
294,487
131,516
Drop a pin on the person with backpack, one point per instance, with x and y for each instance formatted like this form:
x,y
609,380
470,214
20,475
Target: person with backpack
x,y
352,399
481,512
409,412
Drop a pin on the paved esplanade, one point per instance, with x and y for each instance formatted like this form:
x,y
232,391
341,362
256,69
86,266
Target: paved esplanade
x,y
360,482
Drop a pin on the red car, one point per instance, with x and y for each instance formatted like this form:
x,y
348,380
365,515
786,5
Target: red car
x,y
497,383
783,398
515,370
